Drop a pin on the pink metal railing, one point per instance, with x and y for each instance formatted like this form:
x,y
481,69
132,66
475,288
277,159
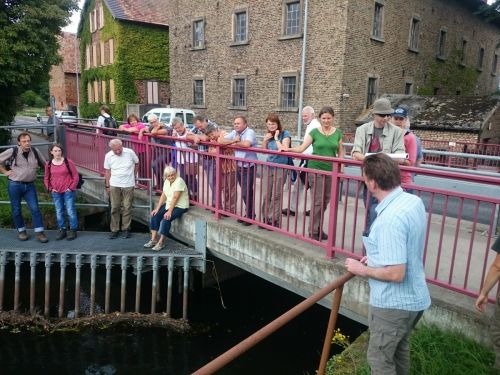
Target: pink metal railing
x,y
460,226
455,147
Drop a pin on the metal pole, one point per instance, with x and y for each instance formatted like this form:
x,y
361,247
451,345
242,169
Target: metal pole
x,y
185,289
93,266
138,285
302,71
154,285
46,309
329,331
32,282
169,285
3,260
17,280
62,283
78,266
108,283
123,284
219,362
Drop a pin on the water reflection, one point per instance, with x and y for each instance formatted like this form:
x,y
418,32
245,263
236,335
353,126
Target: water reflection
x,y
251,303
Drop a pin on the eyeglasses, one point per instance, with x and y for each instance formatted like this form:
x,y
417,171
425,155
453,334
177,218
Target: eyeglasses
x,y
384,116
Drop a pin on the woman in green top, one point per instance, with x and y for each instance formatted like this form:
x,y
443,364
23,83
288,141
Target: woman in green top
x,y
326,141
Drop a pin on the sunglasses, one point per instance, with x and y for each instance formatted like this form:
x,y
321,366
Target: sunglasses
x,y
383,115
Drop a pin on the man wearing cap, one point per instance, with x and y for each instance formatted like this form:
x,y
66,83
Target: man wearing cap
x,y
375,136
400,119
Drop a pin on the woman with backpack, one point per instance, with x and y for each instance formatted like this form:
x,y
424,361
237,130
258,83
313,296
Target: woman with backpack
x,y
61,180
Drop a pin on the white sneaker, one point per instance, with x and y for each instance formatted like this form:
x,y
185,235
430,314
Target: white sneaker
x,y
158,247
150,244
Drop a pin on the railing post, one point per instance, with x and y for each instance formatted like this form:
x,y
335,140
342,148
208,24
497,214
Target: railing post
x,y
138,271
123,284
334,205
78,267
48,264
62,282
17,280
185,289
109,265
154,282
93,266
325,354
33,257
3,260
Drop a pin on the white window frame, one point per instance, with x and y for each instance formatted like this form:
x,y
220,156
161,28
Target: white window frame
x,y
101,16
414,35
111,51
112,91
236,30
102,59
377,32
202,80
94,55
152,92
198,43
87,57
285,19
234,81
282,92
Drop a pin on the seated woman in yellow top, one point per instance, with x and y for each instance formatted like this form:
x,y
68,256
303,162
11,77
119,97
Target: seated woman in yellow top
x,y
173,203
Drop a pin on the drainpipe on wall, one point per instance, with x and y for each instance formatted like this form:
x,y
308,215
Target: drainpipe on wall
x,y
302,73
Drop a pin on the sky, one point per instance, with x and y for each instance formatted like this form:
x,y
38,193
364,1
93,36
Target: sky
x,y
75,19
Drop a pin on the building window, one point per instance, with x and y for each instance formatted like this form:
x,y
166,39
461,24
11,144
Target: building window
x,y
94,55
87,56
414,34
90,97
111,91
371,93
480,58
152,92
288,92
101,17
494,65
198,92
102,53
378,19
240,29
111,51
239,93
199,34
435,91
92,21
291,18
96,92
442,44
103,90
408,88
463,51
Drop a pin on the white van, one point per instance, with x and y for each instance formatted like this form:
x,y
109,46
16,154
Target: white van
x,y
166,115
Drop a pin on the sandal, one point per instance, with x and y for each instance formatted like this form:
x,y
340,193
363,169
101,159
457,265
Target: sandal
x,y
158,247
150,244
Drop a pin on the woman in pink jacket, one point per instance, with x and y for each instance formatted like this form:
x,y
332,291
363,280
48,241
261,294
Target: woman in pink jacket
x,y
61,179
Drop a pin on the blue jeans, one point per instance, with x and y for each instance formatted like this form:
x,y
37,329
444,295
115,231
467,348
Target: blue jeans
x,y
65,200
159,224
17,191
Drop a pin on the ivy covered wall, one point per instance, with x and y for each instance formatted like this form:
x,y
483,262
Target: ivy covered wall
x,y
141,52
450,77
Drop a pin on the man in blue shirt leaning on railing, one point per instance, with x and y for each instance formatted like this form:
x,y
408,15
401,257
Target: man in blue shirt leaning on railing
x,y
394,267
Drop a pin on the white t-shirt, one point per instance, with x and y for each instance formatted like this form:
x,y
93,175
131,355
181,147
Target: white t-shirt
x,y
312,125
184,157
122,168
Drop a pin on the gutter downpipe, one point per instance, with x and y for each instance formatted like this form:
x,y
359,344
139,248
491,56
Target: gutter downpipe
x,y
302,72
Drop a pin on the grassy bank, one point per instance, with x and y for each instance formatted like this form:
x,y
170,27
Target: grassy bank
x,y
31,112
433,352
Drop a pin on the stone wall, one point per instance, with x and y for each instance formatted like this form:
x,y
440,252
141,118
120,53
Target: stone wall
x,y
339,59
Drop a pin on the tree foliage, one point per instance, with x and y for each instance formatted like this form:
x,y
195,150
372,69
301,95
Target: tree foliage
x,y
491,12
28,46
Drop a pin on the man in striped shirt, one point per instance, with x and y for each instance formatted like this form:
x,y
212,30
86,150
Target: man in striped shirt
x,y
394,267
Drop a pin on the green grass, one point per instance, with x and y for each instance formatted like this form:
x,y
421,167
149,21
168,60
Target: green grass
x,y
433,352
31,111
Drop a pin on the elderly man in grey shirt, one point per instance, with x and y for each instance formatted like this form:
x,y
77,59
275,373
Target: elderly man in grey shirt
x,y
375,136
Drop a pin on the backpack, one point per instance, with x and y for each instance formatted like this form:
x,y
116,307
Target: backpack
x,y
81,181
12,160
110,122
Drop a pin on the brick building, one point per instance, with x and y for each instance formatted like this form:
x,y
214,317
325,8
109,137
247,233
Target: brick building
x,y
125,55
63,77
235,57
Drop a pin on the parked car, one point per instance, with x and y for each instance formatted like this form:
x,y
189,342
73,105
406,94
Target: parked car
x,y
166,115
66,116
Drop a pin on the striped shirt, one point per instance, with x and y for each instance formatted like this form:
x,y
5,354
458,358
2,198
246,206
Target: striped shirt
x,y
397,237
